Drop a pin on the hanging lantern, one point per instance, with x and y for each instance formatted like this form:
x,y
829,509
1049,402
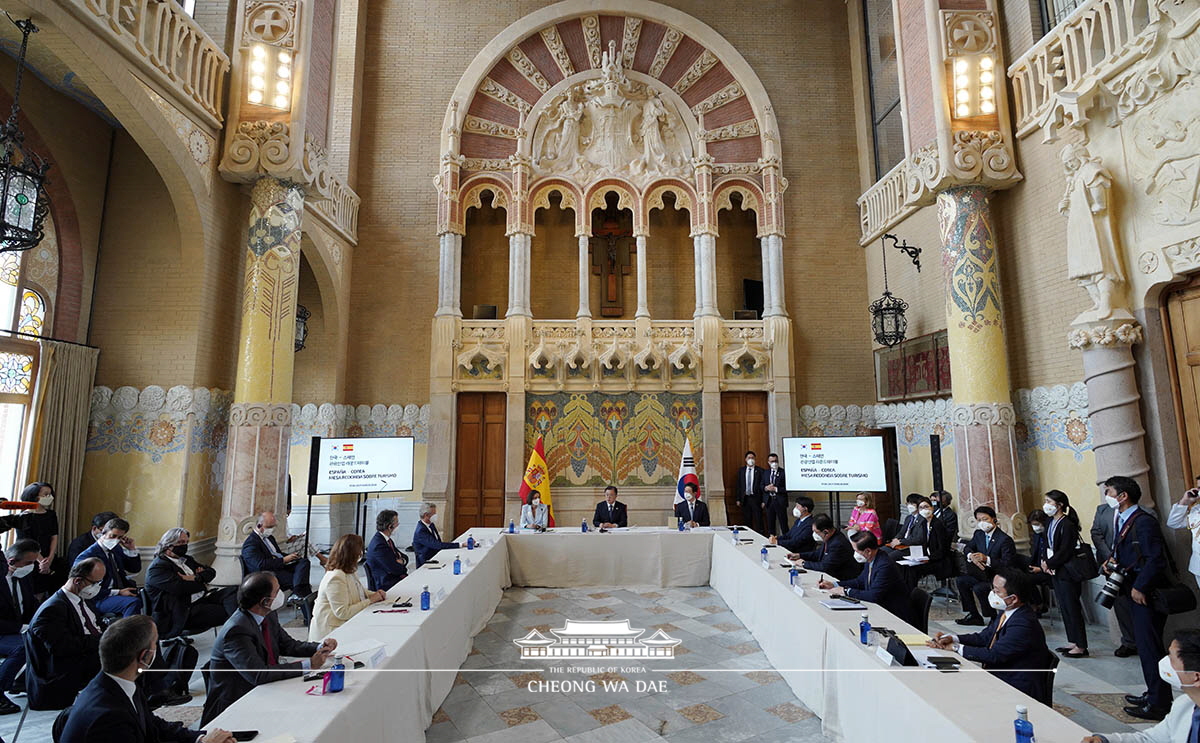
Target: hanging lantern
x,y
302,315
887,313
23,200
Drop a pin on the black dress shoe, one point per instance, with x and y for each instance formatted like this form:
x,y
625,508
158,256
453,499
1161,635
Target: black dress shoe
x,y
168,699
1137,700
971,620
1081,654
1125,651
1146,712
7,707
1063,649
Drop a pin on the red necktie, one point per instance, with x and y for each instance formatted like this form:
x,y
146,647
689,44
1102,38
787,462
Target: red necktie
x,y
87,623
266,633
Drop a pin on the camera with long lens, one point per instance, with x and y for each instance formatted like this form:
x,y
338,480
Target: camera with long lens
x,y
1112,587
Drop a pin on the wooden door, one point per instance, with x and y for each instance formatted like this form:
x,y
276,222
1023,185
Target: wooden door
x,y
887,505
744,427
1183,331
479,461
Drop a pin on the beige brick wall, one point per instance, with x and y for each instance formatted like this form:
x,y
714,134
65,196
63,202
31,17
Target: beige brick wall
x,y
315,373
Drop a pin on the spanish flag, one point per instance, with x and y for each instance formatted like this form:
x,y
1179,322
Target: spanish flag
x,y
537,480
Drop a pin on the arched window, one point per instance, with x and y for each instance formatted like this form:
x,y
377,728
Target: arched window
x,y
32,318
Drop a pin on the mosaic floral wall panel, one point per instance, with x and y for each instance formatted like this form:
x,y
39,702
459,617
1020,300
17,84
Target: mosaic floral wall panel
x,y
156,422
329,420
631,439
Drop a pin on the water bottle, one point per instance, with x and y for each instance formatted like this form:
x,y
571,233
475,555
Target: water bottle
x,y
457,566
512,528
470,543
1023,726
583,526
680,523
765,561
735,535
425,598
864,630
792,576
335,679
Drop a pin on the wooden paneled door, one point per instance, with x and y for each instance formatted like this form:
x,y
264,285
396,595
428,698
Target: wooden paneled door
x,y
479,460
1183,332
744,428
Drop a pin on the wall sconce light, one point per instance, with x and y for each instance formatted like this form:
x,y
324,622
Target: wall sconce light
x,y
904,247
974,86
302,315
270,77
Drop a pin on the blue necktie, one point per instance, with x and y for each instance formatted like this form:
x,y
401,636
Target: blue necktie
x,y
1194,735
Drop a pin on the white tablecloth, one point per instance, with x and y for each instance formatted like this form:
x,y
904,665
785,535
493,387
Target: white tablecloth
x,y
640,557
857,697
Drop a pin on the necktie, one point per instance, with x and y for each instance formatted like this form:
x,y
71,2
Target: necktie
x,y
610,511
1194,735
870,566
87,623
266,633
987,543
691,512
749,481
15,590
395,551
436,536
996,634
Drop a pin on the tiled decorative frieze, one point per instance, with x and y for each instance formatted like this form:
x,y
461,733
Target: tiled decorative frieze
x,y
158,421
1052,418
329,419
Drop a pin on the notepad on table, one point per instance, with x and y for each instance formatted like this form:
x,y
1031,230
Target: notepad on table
x,y
839,605
914,640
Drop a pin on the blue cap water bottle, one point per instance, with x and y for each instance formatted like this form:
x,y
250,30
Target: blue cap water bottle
x,y
583,526
680,523
425,598
470,543
457,566
766,562
1022,725
792,576
512,529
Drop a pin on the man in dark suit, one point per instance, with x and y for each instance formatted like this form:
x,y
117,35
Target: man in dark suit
x,y
89,537
775,492
694,512
899,537
878,582
63,640
260,552
800,537
944,513
989,550
833,554
1141,554
17,605
426,540
750,492
389,565
1014,639
115,548
113,706
610,512
177,586
1104,536
252,643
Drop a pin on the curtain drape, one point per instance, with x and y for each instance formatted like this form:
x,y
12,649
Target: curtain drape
x,y
61,407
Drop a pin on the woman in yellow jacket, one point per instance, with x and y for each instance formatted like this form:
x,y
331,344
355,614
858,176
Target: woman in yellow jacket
x,y
341,594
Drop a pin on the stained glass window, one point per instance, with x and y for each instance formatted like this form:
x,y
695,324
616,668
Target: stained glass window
x,y
10,274
33,313
16,373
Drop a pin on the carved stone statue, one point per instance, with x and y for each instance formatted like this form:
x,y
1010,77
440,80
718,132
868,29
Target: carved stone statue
x,y
1093,258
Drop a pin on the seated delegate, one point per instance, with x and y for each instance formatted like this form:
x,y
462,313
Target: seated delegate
x,y
879,580
17,605
989,551
800,537
833,554
177,586
693,511
426,540
535,514
341,594
63,639
115,548
610,512
388,564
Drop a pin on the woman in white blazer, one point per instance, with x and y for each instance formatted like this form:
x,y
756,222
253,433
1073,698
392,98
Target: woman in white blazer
x,y
1186,515
341,594
535,513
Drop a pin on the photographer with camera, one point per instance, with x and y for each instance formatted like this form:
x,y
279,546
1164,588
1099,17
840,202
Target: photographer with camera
x,y
1186,515
1137,568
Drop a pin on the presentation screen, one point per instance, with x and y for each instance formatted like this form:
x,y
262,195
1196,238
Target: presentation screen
x,y
364,465
835,463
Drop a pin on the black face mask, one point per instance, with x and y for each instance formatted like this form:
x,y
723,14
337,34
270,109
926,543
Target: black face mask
x,y
180,550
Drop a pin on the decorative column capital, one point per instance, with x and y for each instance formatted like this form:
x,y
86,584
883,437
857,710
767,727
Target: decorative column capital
x,y
260,414
984,414
969,157
1109,333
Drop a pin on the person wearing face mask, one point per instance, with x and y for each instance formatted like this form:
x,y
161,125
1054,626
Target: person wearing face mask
x,y
388,563
1180,669
935,543
944,513
833,553
1104,536
426,540
177,586
989,550
17,605
89,537
113,706
1058,548
41,525
118,592
900,536
775,492
863,516
260,552
800,537
1013,645
691,509
535,514
878,580
341,594
1186,515
63,640
750,493
252,643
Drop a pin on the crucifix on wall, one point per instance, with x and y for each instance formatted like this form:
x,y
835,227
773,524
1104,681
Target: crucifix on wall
x,y
612,248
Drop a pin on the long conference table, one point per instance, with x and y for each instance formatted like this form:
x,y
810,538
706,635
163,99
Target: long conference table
x,y
816,650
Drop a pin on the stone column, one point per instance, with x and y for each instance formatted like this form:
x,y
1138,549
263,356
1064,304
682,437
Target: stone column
x,y
256,464
449,274
706,274
643,307
772,267
585,272
518,274
983,416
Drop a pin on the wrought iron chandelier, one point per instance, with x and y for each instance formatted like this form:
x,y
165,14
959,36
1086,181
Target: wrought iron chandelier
x,y
23,200
887,313
302,315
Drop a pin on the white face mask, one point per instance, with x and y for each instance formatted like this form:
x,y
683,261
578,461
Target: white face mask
x,y
90,592
926,512
22,572
153,655
1049,509
1168,673
860,557
278,601
433,519
749,462
535,503
774,465
796,511
46,501
912,508
996,602
690,497
986,526
268,531
109,543
860,503
818,536
1038,528
1111,501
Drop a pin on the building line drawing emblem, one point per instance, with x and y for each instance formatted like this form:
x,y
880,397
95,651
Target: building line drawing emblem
x,y
597,639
